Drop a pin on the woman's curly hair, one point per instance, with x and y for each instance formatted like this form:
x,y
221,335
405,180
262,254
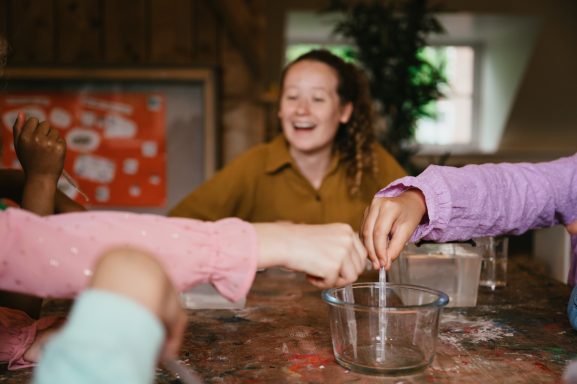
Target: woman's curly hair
x,y
355,139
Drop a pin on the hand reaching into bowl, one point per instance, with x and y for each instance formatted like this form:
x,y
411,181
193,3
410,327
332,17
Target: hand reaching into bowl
x,y
388,224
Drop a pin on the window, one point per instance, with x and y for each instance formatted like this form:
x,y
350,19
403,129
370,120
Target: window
x,y
452,121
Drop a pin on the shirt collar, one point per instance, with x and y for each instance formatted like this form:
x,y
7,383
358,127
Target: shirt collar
x,y
280,157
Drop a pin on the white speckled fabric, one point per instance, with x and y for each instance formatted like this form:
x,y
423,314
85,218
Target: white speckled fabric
x,y
53,256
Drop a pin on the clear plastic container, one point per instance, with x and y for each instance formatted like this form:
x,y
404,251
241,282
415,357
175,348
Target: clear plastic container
x,y
453,268
494,265
397,337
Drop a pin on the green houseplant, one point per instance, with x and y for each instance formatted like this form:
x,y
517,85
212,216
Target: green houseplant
x,y
389,38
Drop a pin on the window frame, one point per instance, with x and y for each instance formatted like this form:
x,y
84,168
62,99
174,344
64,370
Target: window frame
x,y
474,143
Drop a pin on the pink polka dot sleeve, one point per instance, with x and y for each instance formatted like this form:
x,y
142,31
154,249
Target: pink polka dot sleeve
x,y
53,256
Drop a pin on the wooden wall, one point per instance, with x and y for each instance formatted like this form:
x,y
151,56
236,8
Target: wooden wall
x,y
227,35
110,32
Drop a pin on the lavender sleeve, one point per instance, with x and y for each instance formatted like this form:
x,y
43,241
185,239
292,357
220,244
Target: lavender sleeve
x,y
494,199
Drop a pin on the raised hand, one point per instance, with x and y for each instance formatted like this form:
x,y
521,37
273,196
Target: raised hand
x,y
330,254
41,152
389,223
40,148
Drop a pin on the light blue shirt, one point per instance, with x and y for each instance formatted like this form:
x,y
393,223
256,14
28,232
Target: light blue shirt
x,y
108,339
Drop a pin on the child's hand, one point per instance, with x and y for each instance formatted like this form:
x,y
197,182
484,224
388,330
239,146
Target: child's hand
x,y
389,223
330,254
34,353
39,148
572,228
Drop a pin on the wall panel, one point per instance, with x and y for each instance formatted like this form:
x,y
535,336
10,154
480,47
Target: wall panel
x,y
30,32
170,31
79,31
3,17
206,33
125,31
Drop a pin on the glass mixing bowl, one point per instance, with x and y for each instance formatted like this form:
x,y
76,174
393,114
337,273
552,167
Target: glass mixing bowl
x,y
384,331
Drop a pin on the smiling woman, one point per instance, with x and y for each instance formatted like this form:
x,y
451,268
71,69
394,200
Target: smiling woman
x,y
311,111
325,166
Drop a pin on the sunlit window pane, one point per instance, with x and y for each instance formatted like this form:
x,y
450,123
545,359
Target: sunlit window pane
x,y
453,115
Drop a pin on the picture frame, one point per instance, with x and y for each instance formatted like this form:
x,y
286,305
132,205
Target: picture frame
x,y
192,131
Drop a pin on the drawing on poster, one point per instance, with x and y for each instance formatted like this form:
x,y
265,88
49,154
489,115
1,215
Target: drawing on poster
x,y
116,148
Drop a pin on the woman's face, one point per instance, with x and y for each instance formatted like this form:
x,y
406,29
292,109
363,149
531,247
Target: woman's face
x,y
310,108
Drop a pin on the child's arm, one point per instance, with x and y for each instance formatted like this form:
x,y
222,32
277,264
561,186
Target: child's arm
x,y
479,200
12,183
41,152
62,249
130,308
55,255
330,254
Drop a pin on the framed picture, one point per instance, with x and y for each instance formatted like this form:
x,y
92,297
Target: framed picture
x,y
137,139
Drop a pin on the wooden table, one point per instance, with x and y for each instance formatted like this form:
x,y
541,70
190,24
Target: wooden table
x,y
519,334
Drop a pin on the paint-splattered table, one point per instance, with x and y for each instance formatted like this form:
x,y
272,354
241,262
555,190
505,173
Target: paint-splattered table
x,y
519,334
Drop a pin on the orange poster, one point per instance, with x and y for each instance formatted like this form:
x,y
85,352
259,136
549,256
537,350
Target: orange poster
x,y
116,150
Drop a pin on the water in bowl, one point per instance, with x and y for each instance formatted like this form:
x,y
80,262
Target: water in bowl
x,y
395,356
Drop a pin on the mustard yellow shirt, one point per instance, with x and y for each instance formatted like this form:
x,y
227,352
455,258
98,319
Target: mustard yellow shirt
x,y
265,185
